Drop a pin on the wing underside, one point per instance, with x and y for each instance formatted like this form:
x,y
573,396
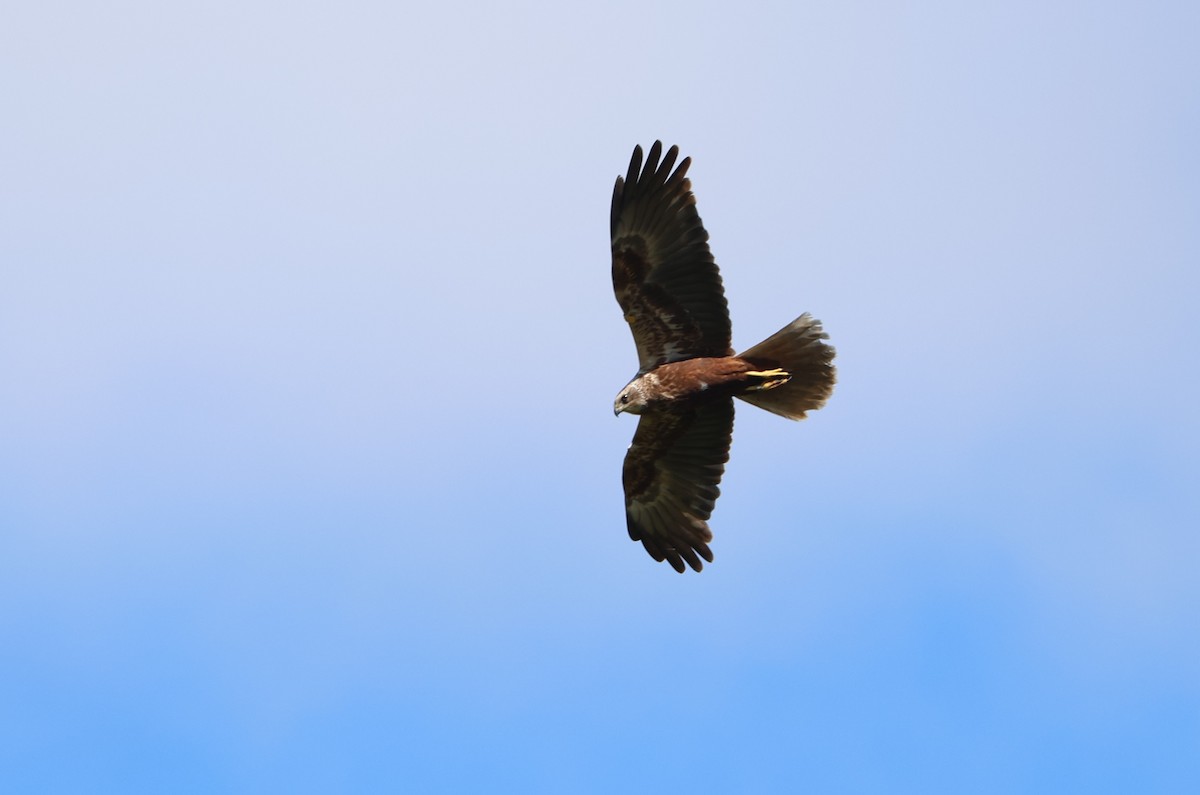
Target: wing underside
x,y
664,275
671,477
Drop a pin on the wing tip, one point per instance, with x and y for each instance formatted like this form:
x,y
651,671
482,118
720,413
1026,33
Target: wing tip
x,y
656,164
680,557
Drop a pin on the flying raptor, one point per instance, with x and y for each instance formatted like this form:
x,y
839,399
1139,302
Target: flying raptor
x,y
670,291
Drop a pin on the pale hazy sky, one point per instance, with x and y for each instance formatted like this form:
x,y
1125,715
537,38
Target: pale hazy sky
x,y
309,480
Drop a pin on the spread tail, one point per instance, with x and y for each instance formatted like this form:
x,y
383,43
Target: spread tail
x,y
798,350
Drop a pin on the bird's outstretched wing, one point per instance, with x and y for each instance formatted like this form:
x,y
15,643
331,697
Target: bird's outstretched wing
x,y
664,275
671,475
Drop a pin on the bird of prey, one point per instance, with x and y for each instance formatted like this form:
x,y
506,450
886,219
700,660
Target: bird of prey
x,y
670,291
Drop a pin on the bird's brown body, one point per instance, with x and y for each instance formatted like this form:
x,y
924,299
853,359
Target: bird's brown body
x,y
708,378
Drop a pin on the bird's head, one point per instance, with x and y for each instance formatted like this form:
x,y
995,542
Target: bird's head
x,y
631,399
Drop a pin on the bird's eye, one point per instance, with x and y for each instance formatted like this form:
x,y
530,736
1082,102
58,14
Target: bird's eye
x,y
624,398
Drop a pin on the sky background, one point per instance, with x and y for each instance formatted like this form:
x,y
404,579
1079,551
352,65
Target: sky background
x,y
309,480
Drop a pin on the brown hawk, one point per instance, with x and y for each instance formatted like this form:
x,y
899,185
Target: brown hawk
x,y
669,288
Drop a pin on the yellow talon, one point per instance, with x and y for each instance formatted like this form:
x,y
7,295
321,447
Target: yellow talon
x,y
772,378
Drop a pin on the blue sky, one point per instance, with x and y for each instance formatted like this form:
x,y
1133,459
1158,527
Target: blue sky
x,y
309,480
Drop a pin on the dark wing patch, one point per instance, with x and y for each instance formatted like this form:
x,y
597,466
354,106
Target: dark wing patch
x,y
671,475
664,275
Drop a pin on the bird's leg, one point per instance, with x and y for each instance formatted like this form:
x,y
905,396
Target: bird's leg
x,y
771,378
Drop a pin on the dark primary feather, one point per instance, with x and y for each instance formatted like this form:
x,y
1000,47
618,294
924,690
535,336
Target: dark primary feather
x,y
671,475
664,275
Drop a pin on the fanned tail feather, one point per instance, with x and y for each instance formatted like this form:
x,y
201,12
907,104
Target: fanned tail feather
x,y
798,349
